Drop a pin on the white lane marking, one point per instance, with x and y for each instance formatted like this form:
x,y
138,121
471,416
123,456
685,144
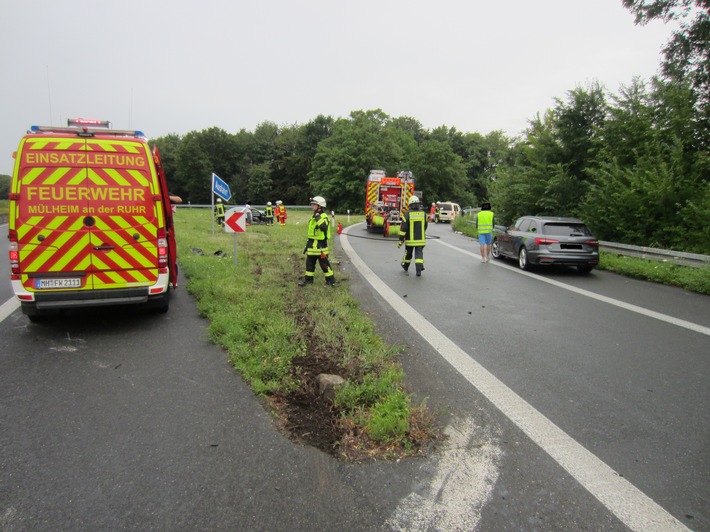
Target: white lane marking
x,y
626,306
623,499
8,307
12,304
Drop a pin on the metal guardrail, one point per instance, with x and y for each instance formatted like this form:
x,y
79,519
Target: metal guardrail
x,y
663,255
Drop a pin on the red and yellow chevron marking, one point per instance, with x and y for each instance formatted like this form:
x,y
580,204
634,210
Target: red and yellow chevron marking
x,y
408,193
373,190
59,193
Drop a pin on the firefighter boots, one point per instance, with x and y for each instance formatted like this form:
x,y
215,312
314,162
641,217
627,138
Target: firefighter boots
x,y
306,281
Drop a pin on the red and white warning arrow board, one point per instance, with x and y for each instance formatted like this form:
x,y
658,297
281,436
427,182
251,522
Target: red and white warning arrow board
x,y
235,223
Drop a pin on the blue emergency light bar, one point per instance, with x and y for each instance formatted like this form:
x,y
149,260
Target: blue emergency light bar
x,y
87,131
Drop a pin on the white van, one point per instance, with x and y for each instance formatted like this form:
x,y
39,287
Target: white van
x,y
448,211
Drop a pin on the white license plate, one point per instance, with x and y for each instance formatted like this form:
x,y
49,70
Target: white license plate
x,y
58,283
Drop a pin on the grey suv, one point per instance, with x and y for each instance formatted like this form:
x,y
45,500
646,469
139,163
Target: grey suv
x,y
545,240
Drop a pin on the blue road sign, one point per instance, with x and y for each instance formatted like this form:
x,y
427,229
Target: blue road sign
x,y
220,188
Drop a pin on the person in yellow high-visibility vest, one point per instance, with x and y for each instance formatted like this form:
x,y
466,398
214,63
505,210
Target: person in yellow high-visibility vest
x,y
484,222
412,233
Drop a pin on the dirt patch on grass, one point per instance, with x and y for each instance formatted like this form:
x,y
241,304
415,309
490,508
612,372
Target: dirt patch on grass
x,y
307,417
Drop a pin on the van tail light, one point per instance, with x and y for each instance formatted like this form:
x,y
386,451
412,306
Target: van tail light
x,y
14,253
545,241
162,249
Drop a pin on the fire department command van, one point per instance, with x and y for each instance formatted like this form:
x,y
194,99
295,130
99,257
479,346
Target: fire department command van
x,y
90,221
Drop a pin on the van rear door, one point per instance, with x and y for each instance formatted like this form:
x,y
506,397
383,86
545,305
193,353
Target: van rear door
x,y
122,213
54,243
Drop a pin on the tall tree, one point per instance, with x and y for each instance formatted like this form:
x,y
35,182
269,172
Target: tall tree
x,y
439,173
194,170
357,145
687,54
650,181
169,146
296,147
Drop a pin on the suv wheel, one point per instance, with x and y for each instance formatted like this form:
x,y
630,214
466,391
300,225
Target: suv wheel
x,y
523,259
584,268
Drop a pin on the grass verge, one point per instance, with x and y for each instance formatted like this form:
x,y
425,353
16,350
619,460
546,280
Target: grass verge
x,y
280,337
686,277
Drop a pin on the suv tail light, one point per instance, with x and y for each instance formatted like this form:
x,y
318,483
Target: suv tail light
x,y
545,241
162,249
593,243
14,253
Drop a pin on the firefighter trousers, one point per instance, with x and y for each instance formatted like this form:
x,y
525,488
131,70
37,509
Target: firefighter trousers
x,y
322,259
418,252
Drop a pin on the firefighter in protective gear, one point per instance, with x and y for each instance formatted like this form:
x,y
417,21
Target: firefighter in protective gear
x,y
219,211
316,249
269,211
281,212
432,212
412,232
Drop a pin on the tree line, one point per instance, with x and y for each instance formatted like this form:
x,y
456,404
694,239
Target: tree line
x,y
633,165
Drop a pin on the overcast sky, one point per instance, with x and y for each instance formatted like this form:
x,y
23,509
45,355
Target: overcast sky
x,y
177,66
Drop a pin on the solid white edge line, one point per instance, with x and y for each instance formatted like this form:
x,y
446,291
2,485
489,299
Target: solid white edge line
x,y
623,499
11,305
626,306
8,307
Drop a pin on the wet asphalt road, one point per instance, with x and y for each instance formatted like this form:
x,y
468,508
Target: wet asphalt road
x,y
124,420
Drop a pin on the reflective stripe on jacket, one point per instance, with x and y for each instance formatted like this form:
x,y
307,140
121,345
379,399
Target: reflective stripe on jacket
x,y
485,222
413,228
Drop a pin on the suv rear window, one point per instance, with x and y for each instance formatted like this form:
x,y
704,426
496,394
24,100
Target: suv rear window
x,y
566,229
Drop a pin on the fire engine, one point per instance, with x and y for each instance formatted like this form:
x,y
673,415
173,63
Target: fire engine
x,y
387,200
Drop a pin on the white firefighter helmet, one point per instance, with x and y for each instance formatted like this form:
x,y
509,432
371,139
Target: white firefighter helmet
x,y
219,200
268,203
318,200
413,200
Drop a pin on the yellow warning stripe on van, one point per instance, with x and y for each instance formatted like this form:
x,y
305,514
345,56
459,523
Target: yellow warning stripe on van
x,y
116,146
117,246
